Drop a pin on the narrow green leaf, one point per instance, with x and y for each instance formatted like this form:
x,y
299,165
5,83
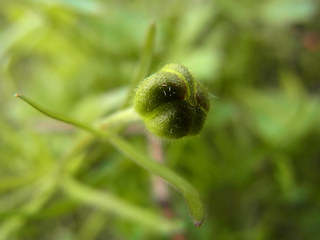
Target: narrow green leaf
x,y
57,116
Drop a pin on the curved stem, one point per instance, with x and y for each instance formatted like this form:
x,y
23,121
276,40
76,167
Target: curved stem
x,y
188,191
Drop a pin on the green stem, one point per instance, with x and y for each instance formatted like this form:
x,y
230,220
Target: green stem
x,y
117,206
188,191
144,62
118,120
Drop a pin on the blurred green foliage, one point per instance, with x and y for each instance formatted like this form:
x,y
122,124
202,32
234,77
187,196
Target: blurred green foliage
x,y
256,163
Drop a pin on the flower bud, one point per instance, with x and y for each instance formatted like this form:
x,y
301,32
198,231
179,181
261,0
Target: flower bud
x,y
171,103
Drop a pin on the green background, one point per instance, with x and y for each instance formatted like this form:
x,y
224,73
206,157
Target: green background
x,y
256,164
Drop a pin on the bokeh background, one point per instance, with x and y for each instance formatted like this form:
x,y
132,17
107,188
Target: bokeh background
x,y
256,164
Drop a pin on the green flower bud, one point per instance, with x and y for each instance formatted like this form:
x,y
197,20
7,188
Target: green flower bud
x,y
171,103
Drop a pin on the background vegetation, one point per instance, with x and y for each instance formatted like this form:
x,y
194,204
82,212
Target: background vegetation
x,y
256,163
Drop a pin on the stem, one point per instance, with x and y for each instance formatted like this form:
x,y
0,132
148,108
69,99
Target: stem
x,y
160,188
117,206
144,62
118,119
188,191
